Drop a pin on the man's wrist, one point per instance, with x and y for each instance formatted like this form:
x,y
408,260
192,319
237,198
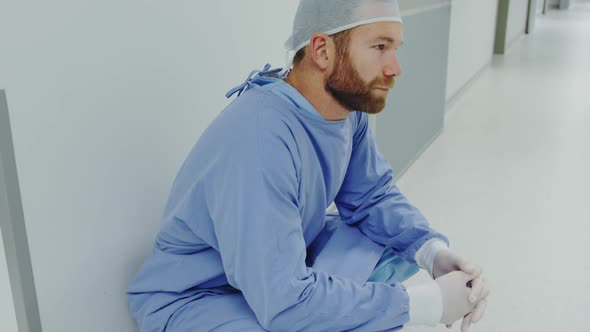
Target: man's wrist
x,y
426,307
427,253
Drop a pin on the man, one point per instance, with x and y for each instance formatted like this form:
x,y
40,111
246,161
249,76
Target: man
x,y
245,242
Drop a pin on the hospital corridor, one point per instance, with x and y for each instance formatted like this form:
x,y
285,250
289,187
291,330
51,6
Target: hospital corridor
x,y
509,178
123,158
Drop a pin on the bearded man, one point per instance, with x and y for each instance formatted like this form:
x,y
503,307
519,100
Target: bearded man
x,y
246,243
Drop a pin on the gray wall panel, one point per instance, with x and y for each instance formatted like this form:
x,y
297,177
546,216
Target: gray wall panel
x,y
14,233
414,116
501,25
408,6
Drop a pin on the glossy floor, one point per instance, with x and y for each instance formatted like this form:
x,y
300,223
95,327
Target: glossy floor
x,y
509,179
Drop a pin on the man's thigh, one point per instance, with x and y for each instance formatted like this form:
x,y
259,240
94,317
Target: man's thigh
x,y
219,313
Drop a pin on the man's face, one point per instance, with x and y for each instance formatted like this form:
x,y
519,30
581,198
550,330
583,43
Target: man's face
x,y
366,67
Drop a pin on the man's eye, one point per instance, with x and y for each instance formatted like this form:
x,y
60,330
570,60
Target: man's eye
x,y
380,47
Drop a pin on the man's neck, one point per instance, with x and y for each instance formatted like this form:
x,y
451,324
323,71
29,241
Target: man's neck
x,y
312,87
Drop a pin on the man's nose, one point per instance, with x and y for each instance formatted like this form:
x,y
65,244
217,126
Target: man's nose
x,y
392,67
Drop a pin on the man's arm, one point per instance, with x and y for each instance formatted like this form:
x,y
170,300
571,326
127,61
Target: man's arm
x,y
253,202
369,199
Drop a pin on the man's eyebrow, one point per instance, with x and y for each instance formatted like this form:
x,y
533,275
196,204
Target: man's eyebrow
x,y
389,40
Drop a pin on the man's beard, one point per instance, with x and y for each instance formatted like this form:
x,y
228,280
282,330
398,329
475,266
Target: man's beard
x,y
351,91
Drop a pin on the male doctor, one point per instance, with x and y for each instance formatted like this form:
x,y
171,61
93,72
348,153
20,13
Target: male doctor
x,y
245,242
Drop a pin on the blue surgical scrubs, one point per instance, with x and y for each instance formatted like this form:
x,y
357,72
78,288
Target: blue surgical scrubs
x,y
245,243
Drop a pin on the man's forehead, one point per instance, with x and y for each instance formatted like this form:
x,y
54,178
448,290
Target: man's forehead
x,y
380,30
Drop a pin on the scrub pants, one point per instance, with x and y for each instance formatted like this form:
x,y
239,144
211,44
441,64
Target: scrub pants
x,y
336,244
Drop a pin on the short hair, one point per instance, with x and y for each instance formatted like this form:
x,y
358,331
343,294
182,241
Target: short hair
x,y
341,39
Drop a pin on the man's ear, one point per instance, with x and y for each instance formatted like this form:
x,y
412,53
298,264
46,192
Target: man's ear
x,y
322,51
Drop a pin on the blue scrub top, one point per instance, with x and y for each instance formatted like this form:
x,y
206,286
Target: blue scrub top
x,y
249,200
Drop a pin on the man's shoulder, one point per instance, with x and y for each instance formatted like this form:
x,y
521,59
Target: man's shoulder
x,y
263,110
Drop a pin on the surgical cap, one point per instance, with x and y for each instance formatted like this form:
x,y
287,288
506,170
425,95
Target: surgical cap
x,y
333,16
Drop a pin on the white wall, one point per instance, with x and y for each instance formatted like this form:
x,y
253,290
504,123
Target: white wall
x,y
471,40
7,314
105,99
517,16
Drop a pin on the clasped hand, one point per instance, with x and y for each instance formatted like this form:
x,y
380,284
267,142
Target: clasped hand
x,y
464,289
